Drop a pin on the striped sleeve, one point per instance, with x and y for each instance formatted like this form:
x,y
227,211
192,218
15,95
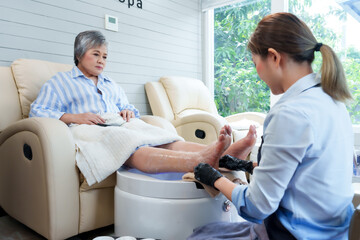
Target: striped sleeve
x,y
123,103
47,104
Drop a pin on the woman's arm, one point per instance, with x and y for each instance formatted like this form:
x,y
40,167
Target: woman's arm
x,y
286,140
47,104
126,109
225,186
82,118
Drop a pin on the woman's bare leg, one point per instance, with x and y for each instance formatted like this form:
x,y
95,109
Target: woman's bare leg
x,y
153,160
191,146
239,149
242,148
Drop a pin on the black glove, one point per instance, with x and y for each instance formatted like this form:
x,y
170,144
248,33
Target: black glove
x,y
233,163
206,174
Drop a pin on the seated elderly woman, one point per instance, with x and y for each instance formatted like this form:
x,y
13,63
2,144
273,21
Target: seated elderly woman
x,y
82,95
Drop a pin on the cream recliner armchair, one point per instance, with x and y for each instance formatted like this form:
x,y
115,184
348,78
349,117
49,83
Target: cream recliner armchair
x,y
189,106
40,185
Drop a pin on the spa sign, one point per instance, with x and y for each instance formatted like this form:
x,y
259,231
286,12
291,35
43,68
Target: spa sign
x,y
132,2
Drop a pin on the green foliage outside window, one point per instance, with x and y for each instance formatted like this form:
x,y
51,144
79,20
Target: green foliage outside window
x,y
237,85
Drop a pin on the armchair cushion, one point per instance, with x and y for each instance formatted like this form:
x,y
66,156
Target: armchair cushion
x,y
159,101
244,124
9,99
110,181
30,75
188,93
188,104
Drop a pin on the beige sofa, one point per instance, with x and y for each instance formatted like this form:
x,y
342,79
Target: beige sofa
x,y
40,185
188,105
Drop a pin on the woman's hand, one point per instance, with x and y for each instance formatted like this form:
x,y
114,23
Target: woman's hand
x,y
127,114
233,163
206,174
82,118
212,177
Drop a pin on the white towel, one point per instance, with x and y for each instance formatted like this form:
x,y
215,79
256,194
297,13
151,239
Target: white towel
x,y
103,150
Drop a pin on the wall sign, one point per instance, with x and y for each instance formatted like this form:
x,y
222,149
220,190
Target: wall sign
x,y
132,2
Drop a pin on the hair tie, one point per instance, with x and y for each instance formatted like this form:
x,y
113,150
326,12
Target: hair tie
x,y
317,47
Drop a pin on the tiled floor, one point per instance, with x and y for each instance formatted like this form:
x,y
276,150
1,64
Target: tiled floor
x,y
10,229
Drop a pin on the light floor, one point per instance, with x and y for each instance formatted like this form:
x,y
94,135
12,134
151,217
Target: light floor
x,y
10,229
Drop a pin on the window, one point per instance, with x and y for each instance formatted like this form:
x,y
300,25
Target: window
x,y
331,25
237,87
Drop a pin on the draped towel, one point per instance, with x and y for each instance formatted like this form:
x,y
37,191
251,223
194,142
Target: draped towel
x,y
101,150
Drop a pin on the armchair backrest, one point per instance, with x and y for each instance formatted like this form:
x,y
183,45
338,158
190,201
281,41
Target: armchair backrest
x,y
20,85
30,75
173,95
9,99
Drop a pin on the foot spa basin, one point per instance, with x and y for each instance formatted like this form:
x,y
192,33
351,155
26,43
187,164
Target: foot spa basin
x,y
162,206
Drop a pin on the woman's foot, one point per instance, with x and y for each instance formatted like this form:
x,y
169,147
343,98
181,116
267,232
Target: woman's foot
x,y
213,152
242,148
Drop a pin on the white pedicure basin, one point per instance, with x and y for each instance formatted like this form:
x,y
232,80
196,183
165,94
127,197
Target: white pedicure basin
x,y
162,206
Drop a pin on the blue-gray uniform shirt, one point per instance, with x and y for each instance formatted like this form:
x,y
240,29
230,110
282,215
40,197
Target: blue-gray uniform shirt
x,y
305,171
72,92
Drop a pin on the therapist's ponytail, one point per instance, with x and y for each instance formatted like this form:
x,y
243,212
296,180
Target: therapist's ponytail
x,y
333,79
287,34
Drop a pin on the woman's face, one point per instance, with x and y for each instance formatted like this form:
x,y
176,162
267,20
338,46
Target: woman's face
x,y
94,61
266,72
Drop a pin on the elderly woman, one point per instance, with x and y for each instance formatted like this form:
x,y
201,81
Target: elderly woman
x,y
82,95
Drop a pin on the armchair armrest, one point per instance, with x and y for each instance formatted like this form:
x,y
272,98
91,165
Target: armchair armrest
x,y
254,116
39,183
159,122
189,125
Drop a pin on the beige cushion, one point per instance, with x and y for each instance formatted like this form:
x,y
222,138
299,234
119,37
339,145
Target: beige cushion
x,y
30,75
244,124
107,182
159,101
188,93
9,99
96,209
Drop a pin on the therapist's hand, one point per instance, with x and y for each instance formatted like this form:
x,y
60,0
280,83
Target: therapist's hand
x,y
206,174
233,163
127,114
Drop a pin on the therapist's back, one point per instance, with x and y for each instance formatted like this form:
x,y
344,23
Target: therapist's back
x,y
302,186
305,171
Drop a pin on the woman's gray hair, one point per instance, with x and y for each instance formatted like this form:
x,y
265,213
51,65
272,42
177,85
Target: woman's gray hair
x,y
85,41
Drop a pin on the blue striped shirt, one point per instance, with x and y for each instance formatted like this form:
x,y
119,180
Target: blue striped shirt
x,y
72,92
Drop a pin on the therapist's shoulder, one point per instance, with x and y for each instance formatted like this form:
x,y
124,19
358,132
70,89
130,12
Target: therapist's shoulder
x,y
294,106
289,113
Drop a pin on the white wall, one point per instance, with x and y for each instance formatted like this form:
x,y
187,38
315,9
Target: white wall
x,y
162,38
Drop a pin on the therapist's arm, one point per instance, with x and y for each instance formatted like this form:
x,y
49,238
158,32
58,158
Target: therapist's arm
x,y
210,176
225,186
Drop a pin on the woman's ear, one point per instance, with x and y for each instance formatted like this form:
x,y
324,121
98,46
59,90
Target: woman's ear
x,y
274,56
